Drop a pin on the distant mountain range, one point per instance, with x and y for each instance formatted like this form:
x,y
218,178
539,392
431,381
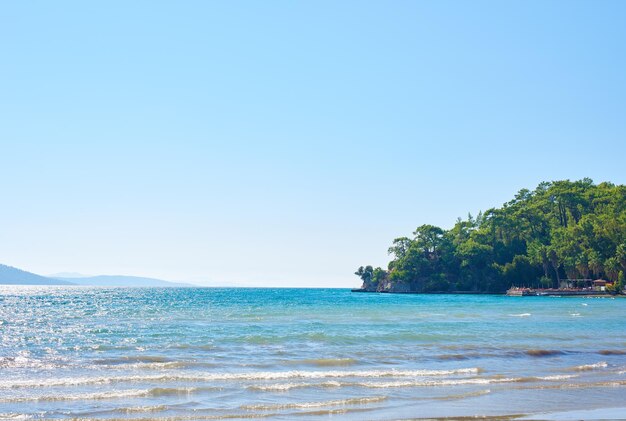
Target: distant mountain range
x,y
121,281
13,276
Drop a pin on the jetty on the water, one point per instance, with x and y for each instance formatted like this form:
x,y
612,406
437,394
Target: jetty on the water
x,y
567,288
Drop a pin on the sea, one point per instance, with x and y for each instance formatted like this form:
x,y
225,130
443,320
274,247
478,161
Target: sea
x,y
304,354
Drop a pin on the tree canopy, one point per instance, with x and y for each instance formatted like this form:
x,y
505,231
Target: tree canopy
x,y
561,230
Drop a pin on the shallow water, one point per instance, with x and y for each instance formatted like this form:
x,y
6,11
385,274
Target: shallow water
x,y
206,353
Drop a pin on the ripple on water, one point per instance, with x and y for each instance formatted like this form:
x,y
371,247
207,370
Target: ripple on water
x,y
612,352
403,384
589,367
544,352
324,362
245,376
336,402
117,353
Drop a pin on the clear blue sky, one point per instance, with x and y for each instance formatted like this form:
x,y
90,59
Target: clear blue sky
x,y
286,143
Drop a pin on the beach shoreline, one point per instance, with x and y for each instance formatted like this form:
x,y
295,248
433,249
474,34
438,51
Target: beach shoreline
x,y
613,413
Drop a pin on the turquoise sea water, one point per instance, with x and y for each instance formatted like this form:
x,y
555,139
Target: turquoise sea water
x,y
205,353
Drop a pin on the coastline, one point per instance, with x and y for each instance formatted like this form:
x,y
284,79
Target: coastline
x,y
598,414
617,413
427,293
545,294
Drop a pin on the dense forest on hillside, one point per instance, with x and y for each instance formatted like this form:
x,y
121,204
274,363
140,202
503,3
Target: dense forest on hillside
x,y
560,230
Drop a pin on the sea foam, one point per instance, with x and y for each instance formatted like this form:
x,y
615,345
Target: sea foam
x,y
249,376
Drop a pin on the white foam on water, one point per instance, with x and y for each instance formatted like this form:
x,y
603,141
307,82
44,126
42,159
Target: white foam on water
x,y
410,383
116,394
521,315
24,361
156,366
142,409
380,385
271,375
306,405
281,387
15,416
558,377
278,387
580,385
113,394
588,367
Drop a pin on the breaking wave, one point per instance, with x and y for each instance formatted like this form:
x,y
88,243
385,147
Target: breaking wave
x,y
271,375
113,394
298,405
589,367
281,387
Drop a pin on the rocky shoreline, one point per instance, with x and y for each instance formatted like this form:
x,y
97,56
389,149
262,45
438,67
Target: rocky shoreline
x,y
429,292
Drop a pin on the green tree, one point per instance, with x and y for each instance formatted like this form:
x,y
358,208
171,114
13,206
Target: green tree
x,y
561,228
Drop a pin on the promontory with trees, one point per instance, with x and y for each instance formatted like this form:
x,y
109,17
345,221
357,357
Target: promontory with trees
x,y
561,230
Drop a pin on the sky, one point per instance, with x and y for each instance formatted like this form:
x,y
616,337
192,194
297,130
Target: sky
x,y
286,143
